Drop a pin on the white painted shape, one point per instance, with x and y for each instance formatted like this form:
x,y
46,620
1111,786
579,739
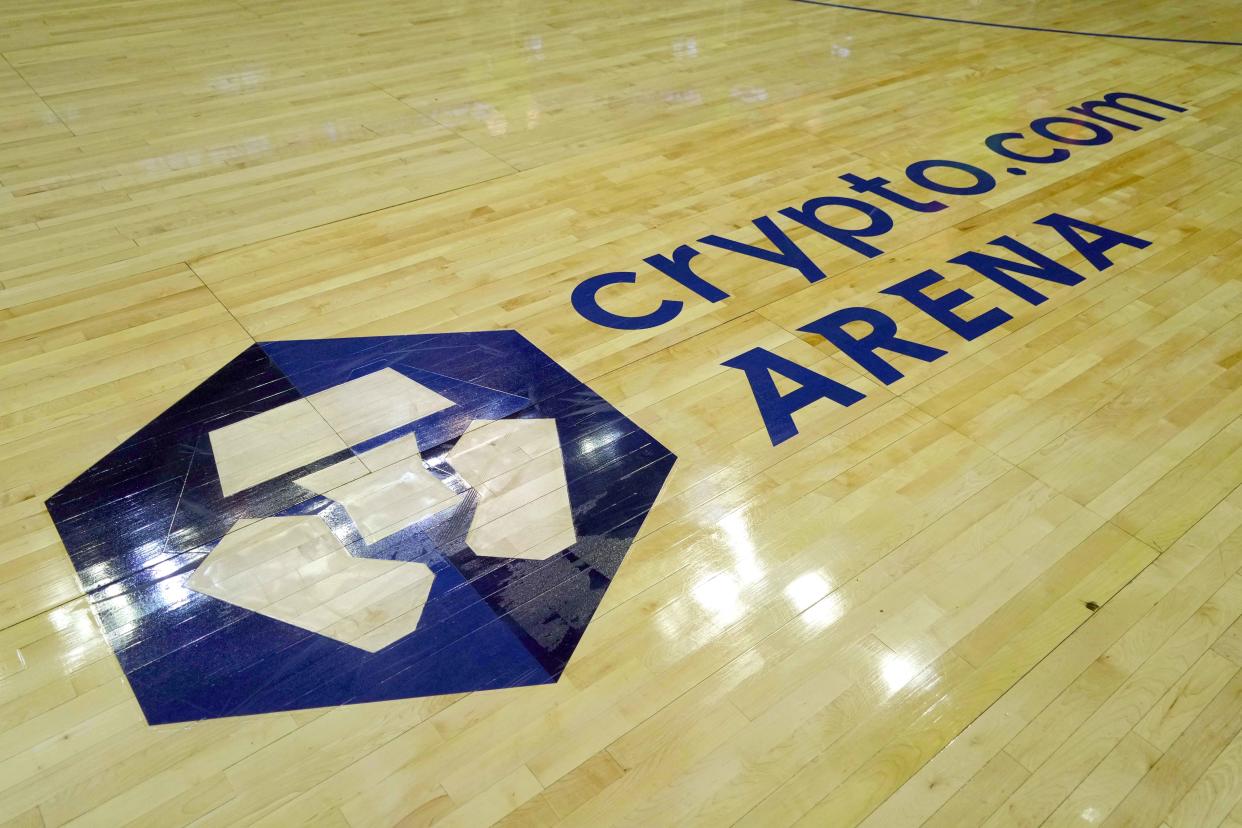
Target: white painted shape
x,y
267,445
492,448
390,452
518,471
386,501
523,532
295,570
376,403
334,476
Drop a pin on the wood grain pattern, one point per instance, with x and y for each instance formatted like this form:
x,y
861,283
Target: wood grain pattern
x,y
1005,591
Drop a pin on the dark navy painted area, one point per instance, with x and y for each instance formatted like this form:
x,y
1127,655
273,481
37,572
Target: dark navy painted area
x,y
138,522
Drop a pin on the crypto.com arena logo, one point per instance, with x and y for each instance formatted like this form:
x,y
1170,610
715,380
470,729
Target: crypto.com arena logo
x,y
349,520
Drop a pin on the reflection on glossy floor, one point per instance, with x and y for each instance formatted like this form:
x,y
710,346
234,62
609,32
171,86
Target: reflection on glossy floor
x,y
281,545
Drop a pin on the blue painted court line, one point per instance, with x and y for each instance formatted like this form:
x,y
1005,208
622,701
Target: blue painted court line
x,y
1015,26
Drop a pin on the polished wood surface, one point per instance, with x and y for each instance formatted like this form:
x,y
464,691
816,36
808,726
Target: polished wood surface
x,y
1006,591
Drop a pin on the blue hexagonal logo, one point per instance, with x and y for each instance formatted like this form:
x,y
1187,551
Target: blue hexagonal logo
x,y
333,521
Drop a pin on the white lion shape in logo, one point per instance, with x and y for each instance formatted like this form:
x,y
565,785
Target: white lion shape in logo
x,y
296,570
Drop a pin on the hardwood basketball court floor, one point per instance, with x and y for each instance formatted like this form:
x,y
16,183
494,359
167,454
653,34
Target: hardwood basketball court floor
x,y
761,412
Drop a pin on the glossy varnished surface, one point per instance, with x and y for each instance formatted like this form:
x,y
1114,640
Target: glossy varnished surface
x,y
1003,590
